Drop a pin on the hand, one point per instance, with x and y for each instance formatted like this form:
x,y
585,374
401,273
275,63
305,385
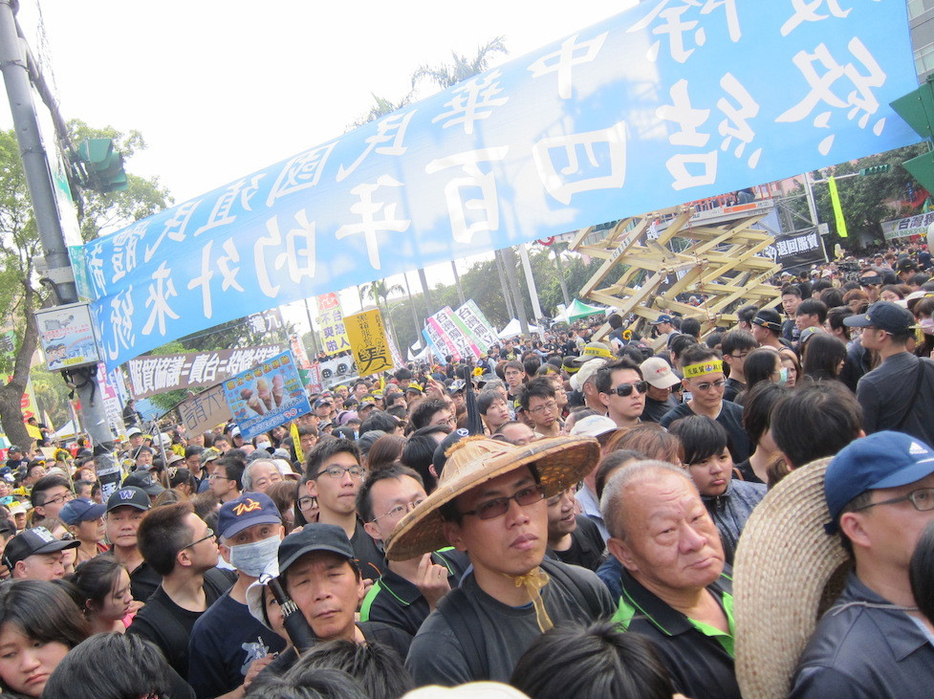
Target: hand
x,y
367,584
432,581
255,668
433,389
135,606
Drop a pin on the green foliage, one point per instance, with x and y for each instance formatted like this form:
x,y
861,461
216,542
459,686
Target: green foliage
x,y
447,74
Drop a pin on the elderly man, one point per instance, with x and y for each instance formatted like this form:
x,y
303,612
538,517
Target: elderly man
x,y
259,475
874,642
34,554
674,590
490,503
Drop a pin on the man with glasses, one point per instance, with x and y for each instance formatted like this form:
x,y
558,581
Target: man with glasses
x,y
490,503
622,392
538,401
49,495
226,478
431,412
181,548
704,380
873,642
334,475
870,279
736,344
408,590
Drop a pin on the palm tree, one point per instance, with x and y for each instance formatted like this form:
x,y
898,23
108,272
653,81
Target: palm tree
x,y
379,291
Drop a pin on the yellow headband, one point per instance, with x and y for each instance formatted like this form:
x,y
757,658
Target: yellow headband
x,y
711,366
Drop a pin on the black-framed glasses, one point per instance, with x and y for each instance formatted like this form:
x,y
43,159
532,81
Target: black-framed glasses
x,y
497,507
626,389
921,499
306,502
208,535
741,355
60,499
545,407
400,510
356,472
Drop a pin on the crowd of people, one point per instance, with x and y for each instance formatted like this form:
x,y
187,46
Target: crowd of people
x,y
562,518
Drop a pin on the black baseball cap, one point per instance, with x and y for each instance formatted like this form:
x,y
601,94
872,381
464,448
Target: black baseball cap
x,y
769,319
314,537
131,496
30,542
145,481
883,315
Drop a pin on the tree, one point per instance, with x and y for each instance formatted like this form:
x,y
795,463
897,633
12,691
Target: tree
x,y
445,75
379,291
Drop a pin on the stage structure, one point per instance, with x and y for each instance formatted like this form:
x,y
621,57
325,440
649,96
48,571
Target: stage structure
x,y
654,263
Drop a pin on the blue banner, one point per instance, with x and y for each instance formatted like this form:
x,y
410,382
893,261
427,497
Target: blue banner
x,y
266,396
671,101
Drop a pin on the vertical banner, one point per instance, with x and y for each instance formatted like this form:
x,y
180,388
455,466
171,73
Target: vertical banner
x,y
437,336
368,342
331,320
266,396
466,347
315,384
837,209
484,336
112,404
298,351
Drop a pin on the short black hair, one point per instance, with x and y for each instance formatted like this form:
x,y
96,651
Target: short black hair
x,y
540,386
757,407
424,411
379,420
233,468
701,437
376,667
792,289
815,421
37,496
921,572
486,399
604,375
163,533
813,307
737,339
325,450
697,353
394,472
691,326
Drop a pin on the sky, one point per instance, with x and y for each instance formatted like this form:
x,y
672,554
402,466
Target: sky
x,y
222,89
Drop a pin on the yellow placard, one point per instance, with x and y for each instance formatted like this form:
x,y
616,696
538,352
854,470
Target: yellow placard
x,y
368,342
837,209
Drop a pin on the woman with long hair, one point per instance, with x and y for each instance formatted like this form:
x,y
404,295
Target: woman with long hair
x,y
104,584
824,357
39,625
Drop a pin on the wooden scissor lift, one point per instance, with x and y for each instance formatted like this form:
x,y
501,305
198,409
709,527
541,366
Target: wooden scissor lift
x,y
714,252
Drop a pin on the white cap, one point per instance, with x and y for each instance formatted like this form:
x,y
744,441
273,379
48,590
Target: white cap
x,y
585,372
656,371
593,426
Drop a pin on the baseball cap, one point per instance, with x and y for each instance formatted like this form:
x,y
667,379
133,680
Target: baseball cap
x,y
593,426
594,350
81,510
663,318
16,508
769,319
133,431
245,511
129,495
30,542
145,481
881,460
15,449
656,371
414,387
322,402
884,315
210,454
313,537
586,371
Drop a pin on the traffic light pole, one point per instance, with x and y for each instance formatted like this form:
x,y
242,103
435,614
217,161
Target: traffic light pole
x,y
45,208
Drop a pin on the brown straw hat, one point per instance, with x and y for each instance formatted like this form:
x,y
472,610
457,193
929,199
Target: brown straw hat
x,y
561,462
786,573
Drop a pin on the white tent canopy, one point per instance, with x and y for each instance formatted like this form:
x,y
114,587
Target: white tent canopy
x,y
512,329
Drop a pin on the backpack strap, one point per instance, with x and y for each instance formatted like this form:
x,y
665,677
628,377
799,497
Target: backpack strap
x,y
460,616
583,594
923,364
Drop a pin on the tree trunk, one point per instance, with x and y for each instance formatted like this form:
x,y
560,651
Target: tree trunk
x,y
509,259
507,297
560,266
415,323
457,283
429,306
11,394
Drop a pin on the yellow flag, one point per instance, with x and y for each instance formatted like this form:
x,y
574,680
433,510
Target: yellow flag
x,y
837,209
297,443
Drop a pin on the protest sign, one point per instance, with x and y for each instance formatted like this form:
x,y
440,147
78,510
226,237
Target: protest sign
x,y
368,341
202,412
266,396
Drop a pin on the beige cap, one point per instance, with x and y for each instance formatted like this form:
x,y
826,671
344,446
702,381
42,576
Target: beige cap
x,y
586,372
658,373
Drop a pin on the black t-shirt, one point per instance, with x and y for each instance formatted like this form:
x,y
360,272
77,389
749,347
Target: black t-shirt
x,y
143,580
369,558
731,417
587,546
655,410
169,626
732,389
745,470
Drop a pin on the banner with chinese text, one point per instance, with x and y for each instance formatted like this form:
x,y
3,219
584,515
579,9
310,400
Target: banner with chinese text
x,y
204,411
798,249
667,102
331,322
368,342
166,372
477,326
907,227
266,396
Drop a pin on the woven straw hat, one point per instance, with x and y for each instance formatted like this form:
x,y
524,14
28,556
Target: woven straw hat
x,y
561,462
786,573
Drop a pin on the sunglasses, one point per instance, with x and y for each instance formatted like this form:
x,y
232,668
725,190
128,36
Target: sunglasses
x,y
626,389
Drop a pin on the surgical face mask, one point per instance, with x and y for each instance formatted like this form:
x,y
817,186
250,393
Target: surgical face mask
x,y
251,559
783,376
263,445
927,326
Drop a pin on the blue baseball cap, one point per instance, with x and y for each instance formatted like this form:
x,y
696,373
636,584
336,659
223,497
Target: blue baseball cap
x,y
81,510
245,511
884,315
663,318
881,460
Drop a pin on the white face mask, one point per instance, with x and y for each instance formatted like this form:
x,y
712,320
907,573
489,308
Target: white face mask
x,y
251,559
927,326
263,445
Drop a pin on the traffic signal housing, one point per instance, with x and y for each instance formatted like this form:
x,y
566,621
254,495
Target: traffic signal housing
x,y
917,108
874,170
102,165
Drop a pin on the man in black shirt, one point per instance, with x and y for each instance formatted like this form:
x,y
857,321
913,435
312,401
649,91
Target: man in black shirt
x,y
181,548
573,539
125,510
658,399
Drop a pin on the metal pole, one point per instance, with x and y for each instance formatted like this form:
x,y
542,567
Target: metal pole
x,y
812,206
530,280
45,209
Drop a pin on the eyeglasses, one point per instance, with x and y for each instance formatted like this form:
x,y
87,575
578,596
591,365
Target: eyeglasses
x,y
707,385
741,355
356,472
215,476
497,507
208,535
59,499
400,510
544,408
626,389
921,499
307,502
67,536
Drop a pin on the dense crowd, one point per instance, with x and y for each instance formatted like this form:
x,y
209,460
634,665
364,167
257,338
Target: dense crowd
x,y
562,516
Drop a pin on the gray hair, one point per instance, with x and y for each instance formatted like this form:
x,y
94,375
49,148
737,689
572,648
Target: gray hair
x,y
493,385
247,478
612,505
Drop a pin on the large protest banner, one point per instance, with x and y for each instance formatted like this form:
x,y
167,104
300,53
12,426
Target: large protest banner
x,y
368,341
267,395
166,372
476,325
669,101
799,249
907,227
